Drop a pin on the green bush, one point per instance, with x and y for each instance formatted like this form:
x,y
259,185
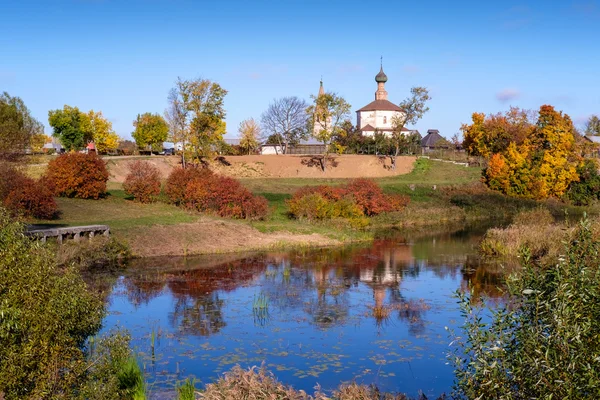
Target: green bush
x,y
47,319
546,344
587,189
114,371
46,313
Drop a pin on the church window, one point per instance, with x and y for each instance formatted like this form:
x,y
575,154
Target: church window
x,y
384,119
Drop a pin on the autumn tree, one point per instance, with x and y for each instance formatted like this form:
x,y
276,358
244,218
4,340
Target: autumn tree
x,y
492,134
413,109
100,131
75,129
592,126
249,131
17,126
326,116
543,165
286,118
151,130
38,141
196,115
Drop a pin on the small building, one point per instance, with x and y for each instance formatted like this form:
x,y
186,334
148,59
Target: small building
x,y
433,140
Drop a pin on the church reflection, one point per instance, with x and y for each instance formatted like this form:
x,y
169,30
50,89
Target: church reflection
x,y
317,283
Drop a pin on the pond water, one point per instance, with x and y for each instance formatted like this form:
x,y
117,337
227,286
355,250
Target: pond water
x,y
372,313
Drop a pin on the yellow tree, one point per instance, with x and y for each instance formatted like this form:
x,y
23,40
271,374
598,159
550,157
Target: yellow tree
x,y
249,131
326,116
38,141
554,152
100,130
151,131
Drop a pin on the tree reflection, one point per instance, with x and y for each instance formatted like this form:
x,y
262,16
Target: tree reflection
x,y
198,316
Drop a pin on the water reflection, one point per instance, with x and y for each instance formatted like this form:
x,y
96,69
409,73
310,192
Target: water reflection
x,y
374,312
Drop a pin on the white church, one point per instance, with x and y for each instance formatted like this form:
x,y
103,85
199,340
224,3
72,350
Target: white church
x,y
378,114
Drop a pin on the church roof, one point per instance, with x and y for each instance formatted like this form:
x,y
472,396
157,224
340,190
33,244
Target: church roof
x,y
381,76
380,105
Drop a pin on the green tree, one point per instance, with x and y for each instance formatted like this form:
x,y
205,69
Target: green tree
x,y
413,109
249,131
17,126
197,115
592,126
326,118
71,127
151,130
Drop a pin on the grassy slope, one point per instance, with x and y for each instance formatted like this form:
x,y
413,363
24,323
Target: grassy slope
x,y
457,197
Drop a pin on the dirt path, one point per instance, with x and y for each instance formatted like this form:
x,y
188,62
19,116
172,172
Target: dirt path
x,y
213,236
279,166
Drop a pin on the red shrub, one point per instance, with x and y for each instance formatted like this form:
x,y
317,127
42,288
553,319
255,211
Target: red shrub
x,y
224,196
364,192
21,194
32,200
78,175
371,198
143,181
178,180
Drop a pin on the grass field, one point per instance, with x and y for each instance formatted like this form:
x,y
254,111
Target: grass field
x,y
440,193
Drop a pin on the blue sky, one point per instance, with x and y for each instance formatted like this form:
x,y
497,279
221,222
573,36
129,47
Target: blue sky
x,y
122,57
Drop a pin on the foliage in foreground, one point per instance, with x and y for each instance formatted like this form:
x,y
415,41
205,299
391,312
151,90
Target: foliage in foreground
x,y
143,181
546,343
47,315
78,175
201,190
354,201
258,384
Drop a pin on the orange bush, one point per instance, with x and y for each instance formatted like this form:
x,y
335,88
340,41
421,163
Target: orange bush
x,y
23,195
371,198
179,178
201,190
78,175
142,182
366,194
224,196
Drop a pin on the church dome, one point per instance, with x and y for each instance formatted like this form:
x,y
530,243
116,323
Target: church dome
x,y
381,76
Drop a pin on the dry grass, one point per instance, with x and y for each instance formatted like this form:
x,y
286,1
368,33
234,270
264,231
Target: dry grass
x,y
259,384
535,230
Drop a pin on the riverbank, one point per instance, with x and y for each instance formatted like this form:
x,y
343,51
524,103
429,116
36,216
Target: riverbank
x,y
440,194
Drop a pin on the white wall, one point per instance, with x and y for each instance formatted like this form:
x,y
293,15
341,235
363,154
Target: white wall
x,y
377,119
271,149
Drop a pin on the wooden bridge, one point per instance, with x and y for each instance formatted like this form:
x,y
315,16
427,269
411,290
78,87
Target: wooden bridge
x,y
72,232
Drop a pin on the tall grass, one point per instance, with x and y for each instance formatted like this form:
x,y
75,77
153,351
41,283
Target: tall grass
x,y
131,379
187,390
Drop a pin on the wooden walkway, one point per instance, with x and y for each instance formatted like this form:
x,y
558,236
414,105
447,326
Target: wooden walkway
x,y
71,232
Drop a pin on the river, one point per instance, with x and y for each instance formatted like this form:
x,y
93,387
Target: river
x,y
373,313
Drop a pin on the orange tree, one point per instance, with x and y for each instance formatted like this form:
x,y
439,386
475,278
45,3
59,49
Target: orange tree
x,y
524,159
